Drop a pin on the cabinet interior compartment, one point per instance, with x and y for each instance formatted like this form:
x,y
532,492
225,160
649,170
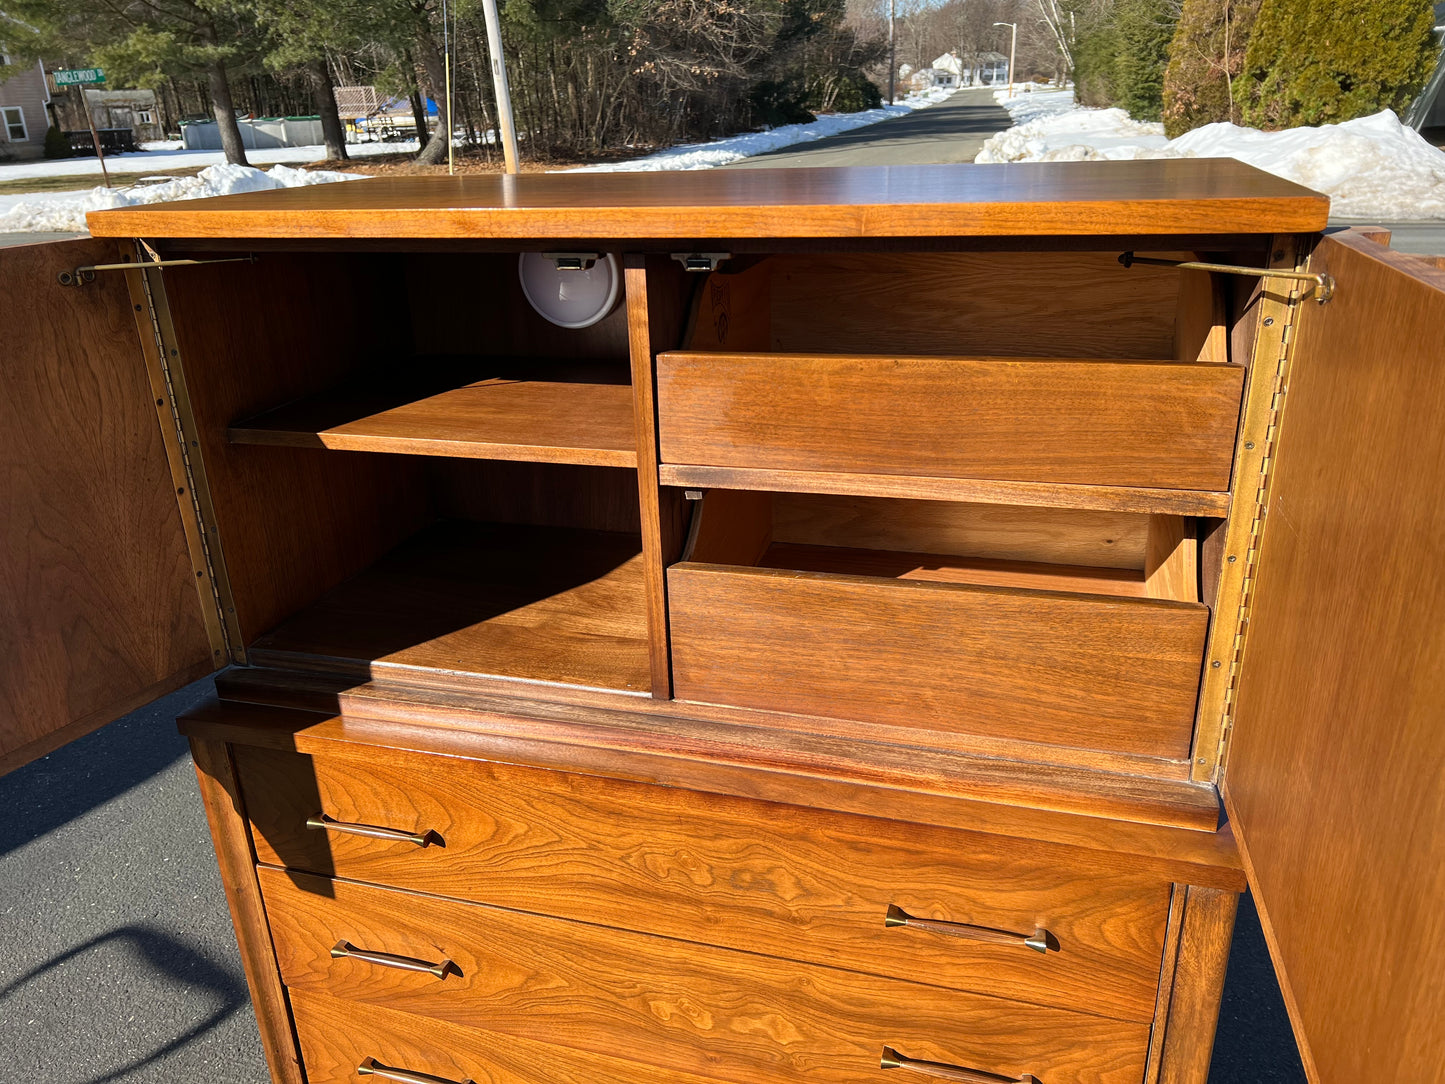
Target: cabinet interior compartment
x,y
1028,304
499,539
1053,626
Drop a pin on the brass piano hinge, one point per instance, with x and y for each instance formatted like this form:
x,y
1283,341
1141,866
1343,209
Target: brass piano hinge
x,y
208,543
1257,510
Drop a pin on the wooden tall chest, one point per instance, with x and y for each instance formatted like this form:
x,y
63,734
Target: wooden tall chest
x,y
823,668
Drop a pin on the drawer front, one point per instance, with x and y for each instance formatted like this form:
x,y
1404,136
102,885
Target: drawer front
x,y
339,1036
774,879
1160,425
1088,671
671,1004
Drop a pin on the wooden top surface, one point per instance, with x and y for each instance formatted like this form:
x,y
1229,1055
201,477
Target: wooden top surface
x,y
1169,196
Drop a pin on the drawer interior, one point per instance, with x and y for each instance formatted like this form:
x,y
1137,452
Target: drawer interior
x,y
886,639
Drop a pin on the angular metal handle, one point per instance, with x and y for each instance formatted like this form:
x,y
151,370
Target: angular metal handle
x,y
1040,940
372,1067
894,1060
322,822
345,949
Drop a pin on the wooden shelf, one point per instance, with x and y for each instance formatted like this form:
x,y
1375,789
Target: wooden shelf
x,y
539,604
536,412
978,571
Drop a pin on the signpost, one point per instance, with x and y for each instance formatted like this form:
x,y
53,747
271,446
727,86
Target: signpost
x,y
79,77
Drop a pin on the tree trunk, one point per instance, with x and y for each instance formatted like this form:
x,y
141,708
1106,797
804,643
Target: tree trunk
x,y
433,70
226,114
325,99
418,105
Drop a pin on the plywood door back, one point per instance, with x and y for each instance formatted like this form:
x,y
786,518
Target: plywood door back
x,y
1335,775
98,592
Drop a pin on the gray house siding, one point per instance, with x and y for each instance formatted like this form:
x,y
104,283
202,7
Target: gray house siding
x,y
23,119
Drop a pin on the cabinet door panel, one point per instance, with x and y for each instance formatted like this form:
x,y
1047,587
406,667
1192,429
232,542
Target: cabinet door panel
x,y
1336,765
101,612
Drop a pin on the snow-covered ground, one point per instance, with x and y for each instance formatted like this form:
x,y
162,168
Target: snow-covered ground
x,y
1371,168
171,155
64,212
722,151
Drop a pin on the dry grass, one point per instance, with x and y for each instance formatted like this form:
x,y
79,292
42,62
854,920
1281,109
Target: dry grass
x,y
77,182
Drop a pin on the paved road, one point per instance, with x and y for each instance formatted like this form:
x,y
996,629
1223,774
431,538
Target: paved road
x,y
954,130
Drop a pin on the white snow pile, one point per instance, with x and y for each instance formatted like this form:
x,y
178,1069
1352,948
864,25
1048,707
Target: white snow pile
x,y
65,211
722,151
1371,168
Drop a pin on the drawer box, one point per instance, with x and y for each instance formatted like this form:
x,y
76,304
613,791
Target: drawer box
x,y
757,876
1088,671
1164,425
671,1004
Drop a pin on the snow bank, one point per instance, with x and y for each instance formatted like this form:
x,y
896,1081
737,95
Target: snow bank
x,y
722,151
1373,167
65,211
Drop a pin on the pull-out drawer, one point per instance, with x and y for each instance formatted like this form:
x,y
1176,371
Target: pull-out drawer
x,y
1162,425
670,1004
1088,671
773,879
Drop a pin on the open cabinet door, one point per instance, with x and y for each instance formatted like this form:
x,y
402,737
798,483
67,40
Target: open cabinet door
x,y
100,602
1335,777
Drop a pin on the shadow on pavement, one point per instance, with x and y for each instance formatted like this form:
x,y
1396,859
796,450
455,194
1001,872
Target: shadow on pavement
x,y
90,771
166,958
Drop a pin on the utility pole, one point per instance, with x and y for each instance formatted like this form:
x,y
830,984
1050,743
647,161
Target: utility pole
x,y
892,53
1012,48
499,86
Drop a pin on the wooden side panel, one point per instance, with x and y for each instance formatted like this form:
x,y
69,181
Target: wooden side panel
x,y
98,591
1003,304
734,1016
1074,670
1335,772
1166,426
222,798
656,306
761,877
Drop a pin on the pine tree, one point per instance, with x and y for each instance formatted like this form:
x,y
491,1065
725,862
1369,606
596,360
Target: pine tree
x,y
1206,56
1316,63
1144,29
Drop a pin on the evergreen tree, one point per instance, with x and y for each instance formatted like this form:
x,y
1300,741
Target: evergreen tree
x,y
144,42
1206,56
1144,28
1320,63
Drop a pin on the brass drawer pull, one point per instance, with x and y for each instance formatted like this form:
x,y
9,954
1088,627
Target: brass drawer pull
x,y
1039,940
396,835
894,1060
372,1067
345,949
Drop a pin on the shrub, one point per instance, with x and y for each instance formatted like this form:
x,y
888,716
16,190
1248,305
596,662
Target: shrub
x,y
1144,30
1206,56
1316,63
56,145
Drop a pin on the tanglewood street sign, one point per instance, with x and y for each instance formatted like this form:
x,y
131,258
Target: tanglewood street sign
x,y
79,75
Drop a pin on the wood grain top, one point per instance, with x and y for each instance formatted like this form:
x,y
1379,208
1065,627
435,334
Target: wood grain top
x,y
1194,195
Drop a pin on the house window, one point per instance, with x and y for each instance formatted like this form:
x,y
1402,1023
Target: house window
x,y
144,117
14,118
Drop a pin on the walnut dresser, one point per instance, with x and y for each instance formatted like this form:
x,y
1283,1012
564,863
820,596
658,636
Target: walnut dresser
x,y
878,647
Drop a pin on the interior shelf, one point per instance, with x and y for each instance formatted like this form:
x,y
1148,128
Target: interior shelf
x,y
940,568
546,604
527,410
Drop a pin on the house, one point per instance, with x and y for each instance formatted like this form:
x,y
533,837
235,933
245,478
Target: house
x,y
133,109
23,117
951,70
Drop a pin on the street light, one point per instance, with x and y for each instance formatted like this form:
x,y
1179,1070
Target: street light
x,y
892,53
1012,46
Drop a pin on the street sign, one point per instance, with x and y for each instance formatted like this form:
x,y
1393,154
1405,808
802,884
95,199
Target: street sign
x,y
79,75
